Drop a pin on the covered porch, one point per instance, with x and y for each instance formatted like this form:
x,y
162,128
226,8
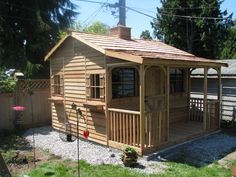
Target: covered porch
x,y
155,108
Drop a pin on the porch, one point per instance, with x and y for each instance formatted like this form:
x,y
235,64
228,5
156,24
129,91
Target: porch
x,y
125,127
158,116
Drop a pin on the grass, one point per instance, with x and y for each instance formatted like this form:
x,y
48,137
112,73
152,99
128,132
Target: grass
x,y
56,167
10,144
69,169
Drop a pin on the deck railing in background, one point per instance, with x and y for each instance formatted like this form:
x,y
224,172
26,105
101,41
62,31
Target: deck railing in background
x,y
196,109
213,113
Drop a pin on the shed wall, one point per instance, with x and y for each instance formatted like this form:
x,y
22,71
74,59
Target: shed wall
x,y
74,60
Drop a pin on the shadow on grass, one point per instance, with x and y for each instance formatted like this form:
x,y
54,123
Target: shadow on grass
x,y
13,142
200,152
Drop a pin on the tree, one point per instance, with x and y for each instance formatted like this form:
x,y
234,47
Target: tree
x,y
229,46
146,35
97,27
200,36
29,28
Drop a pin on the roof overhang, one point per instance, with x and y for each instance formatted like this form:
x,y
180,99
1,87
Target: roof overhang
x,y
184,63
55,47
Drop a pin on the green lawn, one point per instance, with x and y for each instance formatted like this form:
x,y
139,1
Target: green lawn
x,y
56,167
67,169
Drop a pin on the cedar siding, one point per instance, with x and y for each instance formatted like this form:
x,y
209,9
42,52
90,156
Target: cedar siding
x,y
74,61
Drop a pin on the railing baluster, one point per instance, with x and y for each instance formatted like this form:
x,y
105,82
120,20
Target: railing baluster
x,y
130,130
124,126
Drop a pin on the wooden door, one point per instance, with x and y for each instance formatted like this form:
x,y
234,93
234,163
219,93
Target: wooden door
x,y
155,107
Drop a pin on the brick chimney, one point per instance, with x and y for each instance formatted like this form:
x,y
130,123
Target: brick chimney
x,y
122,32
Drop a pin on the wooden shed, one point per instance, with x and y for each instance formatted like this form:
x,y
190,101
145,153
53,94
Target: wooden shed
x,y
132,92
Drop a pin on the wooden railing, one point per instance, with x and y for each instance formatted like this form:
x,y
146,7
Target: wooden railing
x,y
156,128
196,109
213,113
124,126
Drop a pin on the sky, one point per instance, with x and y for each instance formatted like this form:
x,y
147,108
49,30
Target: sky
x,y
90,12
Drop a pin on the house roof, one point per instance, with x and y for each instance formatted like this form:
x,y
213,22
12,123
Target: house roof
x,y
228,72
135,50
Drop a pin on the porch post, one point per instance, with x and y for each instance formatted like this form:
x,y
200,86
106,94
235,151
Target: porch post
x,y
142,109
107,100
219,92
205,100
168,100
189,92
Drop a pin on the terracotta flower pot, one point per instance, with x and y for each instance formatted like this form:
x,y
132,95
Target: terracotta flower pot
x,y
130,159
233,171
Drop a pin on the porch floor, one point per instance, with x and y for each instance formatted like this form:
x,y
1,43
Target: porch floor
x,y
182,131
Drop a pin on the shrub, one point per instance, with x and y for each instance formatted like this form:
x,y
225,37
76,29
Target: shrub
x,y
7,84
129,157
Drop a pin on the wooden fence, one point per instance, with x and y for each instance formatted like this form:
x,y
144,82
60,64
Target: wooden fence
x,y
36,105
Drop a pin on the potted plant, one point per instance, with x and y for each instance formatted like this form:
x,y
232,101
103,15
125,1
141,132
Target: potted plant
x,y
129,157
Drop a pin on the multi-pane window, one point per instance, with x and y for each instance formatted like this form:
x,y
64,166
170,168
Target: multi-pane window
x,y
95,86
124,82
57,85
176,80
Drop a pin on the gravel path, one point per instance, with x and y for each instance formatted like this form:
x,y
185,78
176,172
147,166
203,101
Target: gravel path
x,y
200,152
48,139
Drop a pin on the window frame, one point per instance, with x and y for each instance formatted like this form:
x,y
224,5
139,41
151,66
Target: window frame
x,y
95,86
124,83
57,85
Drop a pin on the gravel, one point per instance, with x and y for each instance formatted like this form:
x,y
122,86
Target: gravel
x,y
48,139
200,152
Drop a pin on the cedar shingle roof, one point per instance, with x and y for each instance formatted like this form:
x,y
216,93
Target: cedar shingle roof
x,y
115,43
137,49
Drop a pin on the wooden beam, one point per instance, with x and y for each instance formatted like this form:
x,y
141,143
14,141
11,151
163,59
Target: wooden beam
x,y
107,100
219,93
168,101
124,56
189,90
121,64
205,100
182,63
142,105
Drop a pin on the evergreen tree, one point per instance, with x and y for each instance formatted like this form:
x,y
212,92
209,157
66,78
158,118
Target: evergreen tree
x,y
29,28
229,46
202,37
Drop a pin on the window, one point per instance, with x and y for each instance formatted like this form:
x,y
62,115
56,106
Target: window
x,y
95,86
176,80
57,85
124,82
